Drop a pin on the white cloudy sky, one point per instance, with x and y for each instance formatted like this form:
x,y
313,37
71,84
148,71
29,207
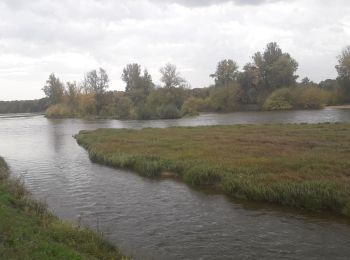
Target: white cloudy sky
x,y
71,37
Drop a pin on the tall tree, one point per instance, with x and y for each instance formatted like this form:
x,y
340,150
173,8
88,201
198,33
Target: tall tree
x,y
250,82
54,89
97,82
138,86
343,69
72,92
226,73
269,71
171,77
131,76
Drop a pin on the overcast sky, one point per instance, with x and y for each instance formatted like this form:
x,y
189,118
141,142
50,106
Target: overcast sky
x,y
71,37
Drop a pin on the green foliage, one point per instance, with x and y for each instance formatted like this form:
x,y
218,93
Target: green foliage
x,y
256,86
269,71
123,108
96,83
163,98
343,69
225,99
302,97
24,106
171,77
313,98
281,99
168,111
226,73
29,231
303,166
192,106
138,86
54,89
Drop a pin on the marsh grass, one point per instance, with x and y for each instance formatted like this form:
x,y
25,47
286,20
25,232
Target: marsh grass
x,y
296,165
29,231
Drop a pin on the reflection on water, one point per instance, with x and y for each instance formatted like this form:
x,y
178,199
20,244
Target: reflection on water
x,y
155,219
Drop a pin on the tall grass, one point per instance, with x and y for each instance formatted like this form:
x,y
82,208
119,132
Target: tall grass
x,y
29,231
303,166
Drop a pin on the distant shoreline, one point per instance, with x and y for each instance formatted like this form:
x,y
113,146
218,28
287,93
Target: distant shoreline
x,y
340,106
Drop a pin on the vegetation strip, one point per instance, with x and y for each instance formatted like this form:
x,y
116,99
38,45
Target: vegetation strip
x,y
302,166
29,231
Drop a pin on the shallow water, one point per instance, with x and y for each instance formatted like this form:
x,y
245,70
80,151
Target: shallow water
x,y
165,219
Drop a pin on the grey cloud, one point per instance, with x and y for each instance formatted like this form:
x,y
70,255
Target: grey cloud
x,y
198,3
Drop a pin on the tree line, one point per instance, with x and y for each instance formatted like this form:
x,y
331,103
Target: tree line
x,y
24,106
268,82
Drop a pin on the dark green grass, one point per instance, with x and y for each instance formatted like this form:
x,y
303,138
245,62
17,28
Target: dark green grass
x,y
302,166
29,231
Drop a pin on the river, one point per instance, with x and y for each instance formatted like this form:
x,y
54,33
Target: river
x,y
165,219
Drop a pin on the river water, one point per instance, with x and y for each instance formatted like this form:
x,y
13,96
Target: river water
x,y
165,219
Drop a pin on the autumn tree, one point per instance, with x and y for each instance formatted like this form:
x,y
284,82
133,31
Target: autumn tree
x,y
72,93
96,83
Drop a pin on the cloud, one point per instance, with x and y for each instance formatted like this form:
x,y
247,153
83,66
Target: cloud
x,y
197,3
70,37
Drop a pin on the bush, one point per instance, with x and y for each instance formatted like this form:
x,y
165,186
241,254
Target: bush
x,y
281,99
168,112
59,111
87,104
304,97
123,107
313,98
192,106
225,99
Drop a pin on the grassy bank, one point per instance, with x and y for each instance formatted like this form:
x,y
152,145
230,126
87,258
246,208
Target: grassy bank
x,y
29,231
302,166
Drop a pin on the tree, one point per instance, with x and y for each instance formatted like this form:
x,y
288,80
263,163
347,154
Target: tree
x,y
306,81
343,69
96,82
131,76
138,86
250,82
54,89
171,77
270,70
72,92
226,73
225,99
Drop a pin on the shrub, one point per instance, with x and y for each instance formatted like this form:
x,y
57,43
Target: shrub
x,y
225,99
304,97
59,111
192,106
168,112
313,98
281,99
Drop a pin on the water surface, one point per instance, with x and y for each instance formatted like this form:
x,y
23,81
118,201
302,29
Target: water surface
x,y
164,219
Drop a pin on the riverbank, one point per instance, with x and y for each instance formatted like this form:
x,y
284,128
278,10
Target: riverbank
x,y
301,166
340,106
29,231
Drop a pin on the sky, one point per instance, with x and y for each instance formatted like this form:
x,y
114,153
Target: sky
x,y
72,37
